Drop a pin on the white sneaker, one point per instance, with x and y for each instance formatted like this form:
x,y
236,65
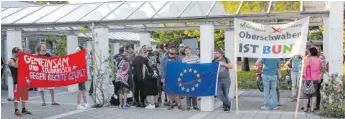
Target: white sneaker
x,y
87,106
80,107
150,106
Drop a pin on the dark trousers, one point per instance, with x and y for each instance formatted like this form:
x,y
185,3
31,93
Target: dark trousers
x,y
318,96
139,91
193,101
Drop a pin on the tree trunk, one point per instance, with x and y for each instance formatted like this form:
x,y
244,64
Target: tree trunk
x,y
245,65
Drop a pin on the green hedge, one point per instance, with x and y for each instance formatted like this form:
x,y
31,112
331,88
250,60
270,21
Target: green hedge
x,y
247,80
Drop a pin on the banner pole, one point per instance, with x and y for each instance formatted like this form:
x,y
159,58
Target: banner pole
x,y
299,88
235,68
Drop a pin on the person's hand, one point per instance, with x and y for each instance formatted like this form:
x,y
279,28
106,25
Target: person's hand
x,y
163,80
222,63
257,78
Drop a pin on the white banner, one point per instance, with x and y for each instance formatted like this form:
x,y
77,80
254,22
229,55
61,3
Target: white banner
x,y
271,41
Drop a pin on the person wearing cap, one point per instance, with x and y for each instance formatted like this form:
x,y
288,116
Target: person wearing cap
x,y
224,80
82,88
189,58
42,51
171,57
20,93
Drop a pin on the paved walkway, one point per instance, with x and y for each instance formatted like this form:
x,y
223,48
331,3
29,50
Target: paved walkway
x,y
250,102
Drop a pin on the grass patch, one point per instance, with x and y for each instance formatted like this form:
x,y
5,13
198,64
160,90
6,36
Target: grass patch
x,y
247,80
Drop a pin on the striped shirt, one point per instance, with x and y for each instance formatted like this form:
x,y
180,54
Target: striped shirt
x,y
193,59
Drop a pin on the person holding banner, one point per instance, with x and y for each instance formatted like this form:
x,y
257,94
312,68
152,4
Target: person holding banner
x,y
191,59
171,57
42,51
223,78
270,80
82,88
20,93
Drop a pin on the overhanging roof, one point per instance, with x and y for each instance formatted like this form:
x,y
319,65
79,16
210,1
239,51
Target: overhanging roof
x,y
149,15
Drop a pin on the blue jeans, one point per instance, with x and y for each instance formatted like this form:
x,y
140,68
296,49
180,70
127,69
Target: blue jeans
x,y
223,91
270,83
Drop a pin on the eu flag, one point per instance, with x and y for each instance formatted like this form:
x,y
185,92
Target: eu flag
x,y
191,79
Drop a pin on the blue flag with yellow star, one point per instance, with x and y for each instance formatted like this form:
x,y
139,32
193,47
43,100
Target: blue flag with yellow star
x,y
191,79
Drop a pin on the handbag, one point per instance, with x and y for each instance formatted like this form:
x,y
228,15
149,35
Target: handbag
x,y
308,88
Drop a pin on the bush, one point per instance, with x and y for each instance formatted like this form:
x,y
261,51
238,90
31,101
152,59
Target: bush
x,y
247,80
333,98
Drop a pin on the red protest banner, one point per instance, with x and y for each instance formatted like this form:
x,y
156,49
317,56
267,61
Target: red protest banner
x,y
37,71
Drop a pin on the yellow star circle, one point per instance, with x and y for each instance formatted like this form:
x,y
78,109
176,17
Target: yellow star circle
x,y
198,78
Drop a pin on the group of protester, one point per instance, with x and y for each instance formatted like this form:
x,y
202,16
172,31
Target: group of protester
x,y
21,93
143,74
314,65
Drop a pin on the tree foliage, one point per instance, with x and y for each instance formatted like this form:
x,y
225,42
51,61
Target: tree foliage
x,y
230,7
59,44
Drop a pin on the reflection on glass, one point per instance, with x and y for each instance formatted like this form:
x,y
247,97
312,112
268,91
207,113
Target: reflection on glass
x,y
172,9
197,8
123,11
19,15
38,14
58,13
101,11
80,12
9,11
147,10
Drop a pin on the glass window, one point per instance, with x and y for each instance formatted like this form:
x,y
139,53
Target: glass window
x,y
172,9
38,14
250,7
79,13
197,8
123,11
147,10
220,9
9,11
285,6
101,11
52,17
19,15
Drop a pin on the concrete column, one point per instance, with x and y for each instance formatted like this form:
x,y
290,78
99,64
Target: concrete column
x,y
144,39
335,44
14,39
72,45
326,43
115,48
229,43
89,45
206,54
101,45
